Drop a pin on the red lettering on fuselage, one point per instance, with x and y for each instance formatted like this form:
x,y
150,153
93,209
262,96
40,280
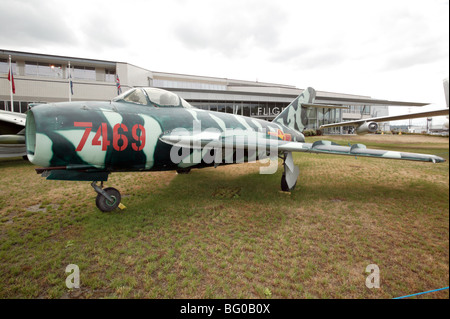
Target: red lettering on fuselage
x,y
120,140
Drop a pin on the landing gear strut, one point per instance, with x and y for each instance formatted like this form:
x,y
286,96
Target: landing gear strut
x,y
107,199
290,174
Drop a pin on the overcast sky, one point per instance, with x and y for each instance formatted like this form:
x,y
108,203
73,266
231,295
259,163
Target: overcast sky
x,y
387,49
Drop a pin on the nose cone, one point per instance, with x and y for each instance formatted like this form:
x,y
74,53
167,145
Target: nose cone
x,y
437,159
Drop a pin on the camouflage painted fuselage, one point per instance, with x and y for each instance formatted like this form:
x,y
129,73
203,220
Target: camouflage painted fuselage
x,y
121,136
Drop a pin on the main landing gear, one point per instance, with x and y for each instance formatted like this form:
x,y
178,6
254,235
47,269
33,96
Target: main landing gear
x,y
290,174
108,198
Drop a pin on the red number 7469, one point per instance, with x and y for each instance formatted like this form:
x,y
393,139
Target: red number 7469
x,y
138,133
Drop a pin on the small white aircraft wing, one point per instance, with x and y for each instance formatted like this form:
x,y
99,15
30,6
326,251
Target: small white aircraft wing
x,y
441,112
13,117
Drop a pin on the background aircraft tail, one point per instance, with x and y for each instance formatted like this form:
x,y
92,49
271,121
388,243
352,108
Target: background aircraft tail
x,y
294,115
446,90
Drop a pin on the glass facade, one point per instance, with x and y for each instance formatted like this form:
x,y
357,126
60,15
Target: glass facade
x,y
188,85
4,66
360,109
267,110
44,70
83,73
19,106
110,76
56,71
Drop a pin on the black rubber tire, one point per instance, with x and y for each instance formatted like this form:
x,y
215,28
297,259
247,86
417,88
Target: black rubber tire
x,y
105,205
284,185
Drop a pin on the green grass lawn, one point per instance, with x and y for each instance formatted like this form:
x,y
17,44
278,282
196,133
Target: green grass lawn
x,y
230,233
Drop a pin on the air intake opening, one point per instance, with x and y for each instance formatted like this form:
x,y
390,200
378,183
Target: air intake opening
x,y
30,135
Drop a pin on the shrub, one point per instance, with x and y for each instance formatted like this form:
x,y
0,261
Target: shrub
x,y
309,132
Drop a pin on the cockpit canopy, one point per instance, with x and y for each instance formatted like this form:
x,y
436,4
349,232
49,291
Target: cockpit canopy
x,y
152,97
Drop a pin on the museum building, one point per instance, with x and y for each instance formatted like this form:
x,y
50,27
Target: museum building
x,y
41,78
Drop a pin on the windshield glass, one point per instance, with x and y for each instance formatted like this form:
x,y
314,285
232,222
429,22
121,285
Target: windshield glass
x,y
185,104
133,96
162,97
157,97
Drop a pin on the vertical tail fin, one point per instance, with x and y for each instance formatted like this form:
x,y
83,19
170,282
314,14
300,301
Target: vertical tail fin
x,y
294,115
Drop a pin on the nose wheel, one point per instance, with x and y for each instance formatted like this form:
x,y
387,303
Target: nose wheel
x,y
108,198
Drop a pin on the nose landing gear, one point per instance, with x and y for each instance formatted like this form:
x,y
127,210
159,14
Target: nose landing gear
x,y
108,198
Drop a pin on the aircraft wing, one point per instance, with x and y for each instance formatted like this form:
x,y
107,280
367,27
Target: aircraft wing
x,y
12,138
249,142
441,112
13,118
356,150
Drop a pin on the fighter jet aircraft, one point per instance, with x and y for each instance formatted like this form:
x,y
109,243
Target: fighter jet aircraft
x,y
149,129
370,125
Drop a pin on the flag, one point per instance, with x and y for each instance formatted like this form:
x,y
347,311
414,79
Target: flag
x,y
71,83
11,79
119,89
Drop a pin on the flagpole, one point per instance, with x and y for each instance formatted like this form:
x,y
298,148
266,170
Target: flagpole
x,y
10,86
70,95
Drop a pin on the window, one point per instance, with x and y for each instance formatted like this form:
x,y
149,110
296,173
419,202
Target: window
x,y
220,107
31,68
228,108
365,110
83,73
43,69
200,105
4,66
245,109
188,85
110,76
276,108
19,106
